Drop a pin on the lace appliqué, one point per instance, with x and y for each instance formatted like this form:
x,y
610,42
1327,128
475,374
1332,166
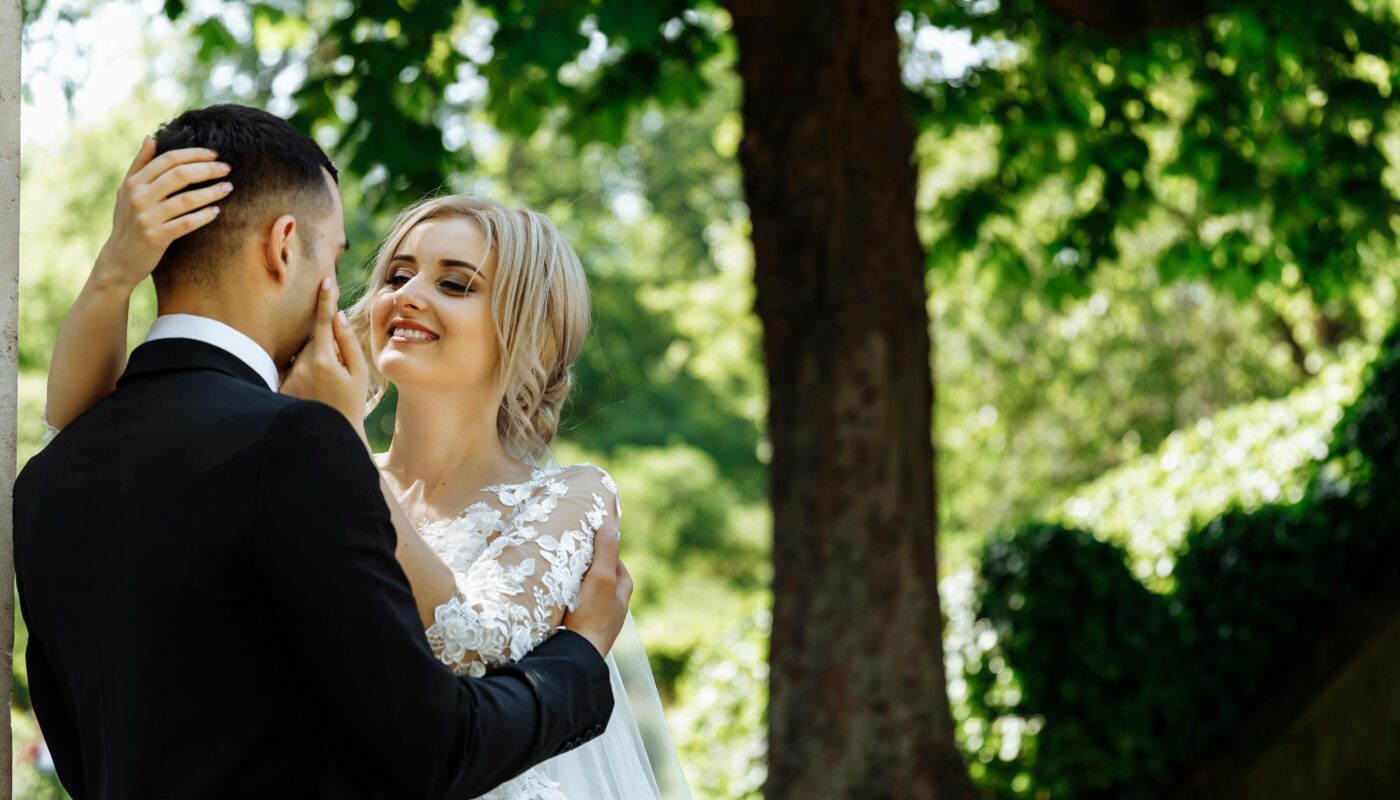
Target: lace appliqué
x,y
529,786
516,573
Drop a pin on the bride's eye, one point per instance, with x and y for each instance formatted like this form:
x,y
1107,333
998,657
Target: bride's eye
x,y
453,287
396,279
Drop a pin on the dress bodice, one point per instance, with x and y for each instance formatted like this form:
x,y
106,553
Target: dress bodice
x,y
518,565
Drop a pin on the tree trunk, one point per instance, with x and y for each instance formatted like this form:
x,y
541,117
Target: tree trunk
x,y
859,705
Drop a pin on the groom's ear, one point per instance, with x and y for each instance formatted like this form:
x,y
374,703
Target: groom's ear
x,y
278,248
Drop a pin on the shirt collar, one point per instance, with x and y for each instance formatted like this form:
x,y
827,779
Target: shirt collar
x,y
222,336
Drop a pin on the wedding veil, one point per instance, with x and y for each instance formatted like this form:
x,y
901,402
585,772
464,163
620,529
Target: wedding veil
x,y
634,758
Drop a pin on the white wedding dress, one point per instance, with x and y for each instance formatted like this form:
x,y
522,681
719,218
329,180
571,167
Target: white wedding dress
x,y
518,564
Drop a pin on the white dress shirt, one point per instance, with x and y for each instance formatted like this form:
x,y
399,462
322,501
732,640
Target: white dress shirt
x,y
224,337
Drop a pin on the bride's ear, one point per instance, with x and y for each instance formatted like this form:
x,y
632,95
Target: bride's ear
x,y
277,247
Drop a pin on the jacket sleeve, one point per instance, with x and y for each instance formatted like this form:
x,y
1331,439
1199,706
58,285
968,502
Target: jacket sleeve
x,y
56,718
326,560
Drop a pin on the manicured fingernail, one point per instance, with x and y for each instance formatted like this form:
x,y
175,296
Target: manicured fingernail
x,y
221,166
212,153
327,284
216,210
343,319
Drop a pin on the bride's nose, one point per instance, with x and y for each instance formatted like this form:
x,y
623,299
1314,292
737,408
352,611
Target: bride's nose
x,y
409,295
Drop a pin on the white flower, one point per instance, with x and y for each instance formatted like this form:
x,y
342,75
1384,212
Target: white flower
x,y
536,509
595,515
523,570
514,495
520,642
481,517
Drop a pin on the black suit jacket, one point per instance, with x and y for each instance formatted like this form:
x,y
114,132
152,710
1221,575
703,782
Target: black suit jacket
x,y
207,571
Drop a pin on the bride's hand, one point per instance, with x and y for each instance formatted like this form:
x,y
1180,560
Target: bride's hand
x,y
331,367
153,209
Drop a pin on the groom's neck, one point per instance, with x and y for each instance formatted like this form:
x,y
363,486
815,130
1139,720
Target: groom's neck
x,y
238,312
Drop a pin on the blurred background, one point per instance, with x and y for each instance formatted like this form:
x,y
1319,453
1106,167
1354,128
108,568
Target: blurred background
x,y
1161,274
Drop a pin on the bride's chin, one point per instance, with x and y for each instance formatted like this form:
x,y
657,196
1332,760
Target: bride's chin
x,y
394,370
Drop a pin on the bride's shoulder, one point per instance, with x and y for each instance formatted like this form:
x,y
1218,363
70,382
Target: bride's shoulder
x,y
579,480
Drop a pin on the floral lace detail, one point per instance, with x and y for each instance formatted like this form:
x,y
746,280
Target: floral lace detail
x,y
529,786
518,572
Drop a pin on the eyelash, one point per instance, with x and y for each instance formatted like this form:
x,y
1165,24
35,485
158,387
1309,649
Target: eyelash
x,y
392,280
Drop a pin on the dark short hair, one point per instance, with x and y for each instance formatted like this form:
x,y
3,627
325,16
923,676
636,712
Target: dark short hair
x,y
275,169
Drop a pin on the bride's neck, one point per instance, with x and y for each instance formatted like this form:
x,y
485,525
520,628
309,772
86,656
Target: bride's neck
x,y
445,442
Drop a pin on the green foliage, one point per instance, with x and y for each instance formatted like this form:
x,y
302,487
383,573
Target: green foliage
x,y
1085,638
1245,457
1067,394
1095,657
722,719
1260,128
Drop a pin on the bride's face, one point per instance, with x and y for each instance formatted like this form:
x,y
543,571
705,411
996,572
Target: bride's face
x,y
431,317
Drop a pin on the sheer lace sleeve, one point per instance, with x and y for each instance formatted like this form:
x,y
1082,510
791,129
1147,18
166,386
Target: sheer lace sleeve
x,y
514,595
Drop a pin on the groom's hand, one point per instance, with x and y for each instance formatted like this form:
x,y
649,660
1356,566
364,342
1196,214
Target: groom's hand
x,y
603,597
331,367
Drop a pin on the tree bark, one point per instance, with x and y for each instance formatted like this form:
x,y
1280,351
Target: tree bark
x,y
9,349
859,705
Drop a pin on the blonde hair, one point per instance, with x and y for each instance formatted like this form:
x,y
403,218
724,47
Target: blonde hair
x,y
539,304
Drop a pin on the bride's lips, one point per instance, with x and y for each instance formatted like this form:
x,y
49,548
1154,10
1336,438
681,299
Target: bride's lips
x,y
399,326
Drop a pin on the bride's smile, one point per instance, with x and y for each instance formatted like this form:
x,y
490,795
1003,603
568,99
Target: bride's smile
x,y
402,330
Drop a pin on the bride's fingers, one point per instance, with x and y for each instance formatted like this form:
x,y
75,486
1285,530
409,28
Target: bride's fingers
x,y
605,549
350,353
323,339
181,176
167,161
180,226
190,200
147,152
624,582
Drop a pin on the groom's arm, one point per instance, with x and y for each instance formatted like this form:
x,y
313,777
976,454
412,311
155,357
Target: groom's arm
x,y
326,559
56,719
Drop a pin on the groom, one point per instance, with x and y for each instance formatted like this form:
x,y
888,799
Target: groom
x,y
207,567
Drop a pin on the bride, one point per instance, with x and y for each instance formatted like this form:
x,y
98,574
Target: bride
x,y
475,313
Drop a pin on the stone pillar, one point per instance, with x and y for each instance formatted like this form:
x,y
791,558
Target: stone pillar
x,y
9,351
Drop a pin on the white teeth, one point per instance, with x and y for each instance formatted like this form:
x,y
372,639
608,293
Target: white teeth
x,y
412,333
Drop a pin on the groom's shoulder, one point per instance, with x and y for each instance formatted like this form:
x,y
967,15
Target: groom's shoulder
x,y
313,430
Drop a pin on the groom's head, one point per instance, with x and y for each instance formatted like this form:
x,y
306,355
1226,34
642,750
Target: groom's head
x,y
278,233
